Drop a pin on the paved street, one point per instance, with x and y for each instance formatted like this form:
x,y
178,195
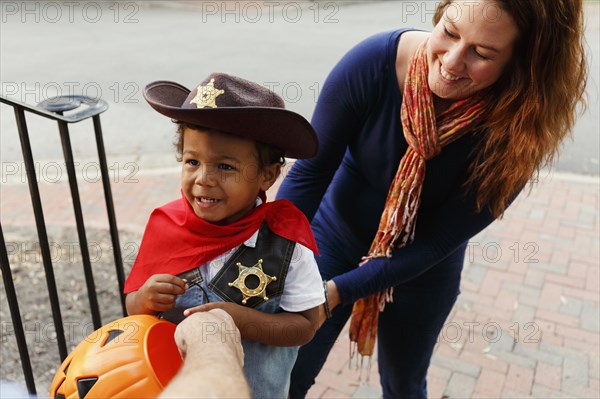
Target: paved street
x,y
527,323
112,50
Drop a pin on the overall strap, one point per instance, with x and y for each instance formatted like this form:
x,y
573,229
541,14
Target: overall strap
x,y
253,275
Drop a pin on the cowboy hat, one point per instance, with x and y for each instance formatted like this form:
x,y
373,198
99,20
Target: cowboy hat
x,y
238,106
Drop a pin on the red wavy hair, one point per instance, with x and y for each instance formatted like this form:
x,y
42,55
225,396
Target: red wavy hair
x,y
538,97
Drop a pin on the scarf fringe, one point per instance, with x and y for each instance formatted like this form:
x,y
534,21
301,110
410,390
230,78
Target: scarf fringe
x,y
355,358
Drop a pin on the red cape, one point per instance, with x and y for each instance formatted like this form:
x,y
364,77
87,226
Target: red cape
x,y
177,240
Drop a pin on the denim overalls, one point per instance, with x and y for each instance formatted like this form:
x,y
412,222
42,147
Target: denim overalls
x,y
267,368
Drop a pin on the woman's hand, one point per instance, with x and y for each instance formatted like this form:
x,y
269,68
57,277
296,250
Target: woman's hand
x,y
158,294
333,299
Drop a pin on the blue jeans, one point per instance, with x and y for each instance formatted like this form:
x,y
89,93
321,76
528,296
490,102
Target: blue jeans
x,y
267,368
408,327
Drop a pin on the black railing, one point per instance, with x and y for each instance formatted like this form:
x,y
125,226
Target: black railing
x,y
64,110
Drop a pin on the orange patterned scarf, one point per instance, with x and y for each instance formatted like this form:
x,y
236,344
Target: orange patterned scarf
x,y
425,134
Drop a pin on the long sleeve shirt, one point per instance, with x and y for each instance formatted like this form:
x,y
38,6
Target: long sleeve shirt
x,y
357,119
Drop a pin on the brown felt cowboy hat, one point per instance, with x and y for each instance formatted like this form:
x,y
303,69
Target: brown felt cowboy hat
x,y
235,105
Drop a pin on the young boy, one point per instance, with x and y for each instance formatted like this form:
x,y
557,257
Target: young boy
x,y
222,245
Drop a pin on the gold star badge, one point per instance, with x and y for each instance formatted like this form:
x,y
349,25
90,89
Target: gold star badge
x,y
245,272
206,96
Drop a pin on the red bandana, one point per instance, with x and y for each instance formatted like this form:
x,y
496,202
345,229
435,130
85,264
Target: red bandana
x,y
176,239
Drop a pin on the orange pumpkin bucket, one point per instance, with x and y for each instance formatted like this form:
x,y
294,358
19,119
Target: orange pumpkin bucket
x,y
133,357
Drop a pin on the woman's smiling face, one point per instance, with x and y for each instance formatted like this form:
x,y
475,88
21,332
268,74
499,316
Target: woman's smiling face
x,y
469,48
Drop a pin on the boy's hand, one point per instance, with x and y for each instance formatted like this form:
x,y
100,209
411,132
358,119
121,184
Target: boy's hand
x,y
159,292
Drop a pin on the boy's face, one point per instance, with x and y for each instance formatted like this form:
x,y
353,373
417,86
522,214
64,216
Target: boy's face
x,y
220,176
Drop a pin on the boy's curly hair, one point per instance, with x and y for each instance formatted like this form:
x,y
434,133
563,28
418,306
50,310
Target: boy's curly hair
x,y
266,154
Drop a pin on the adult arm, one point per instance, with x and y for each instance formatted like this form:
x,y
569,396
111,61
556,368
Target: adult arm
x,y
340,111
438,234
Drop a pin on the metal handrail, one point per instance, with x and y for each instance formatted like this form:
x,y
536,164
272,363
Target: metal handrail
x,y
79,108
53,108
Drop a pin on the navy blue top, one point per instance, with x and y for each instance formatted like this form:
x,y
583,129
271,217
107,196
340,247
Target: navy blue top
x,y
357,119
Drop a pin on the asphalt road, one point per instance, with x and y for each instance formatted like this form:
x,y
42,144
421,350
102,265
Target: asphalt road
x,y
113,49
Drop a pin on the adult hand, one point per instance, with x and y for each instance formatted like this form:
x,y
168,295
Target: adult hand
x,y
333,299
213,358
211,328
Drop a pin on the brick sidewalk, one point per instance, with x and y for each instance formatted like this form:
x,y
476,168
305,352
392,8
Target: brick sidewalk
x,y
526,323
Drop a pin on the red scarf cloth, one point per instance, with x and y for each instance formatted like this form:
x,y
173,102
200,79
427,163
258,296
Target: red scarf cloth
x,y
426,134
177,240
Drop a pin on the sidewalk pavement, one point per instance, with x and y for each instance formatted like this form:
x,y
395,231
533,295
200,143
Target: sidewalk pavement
x,y
526,324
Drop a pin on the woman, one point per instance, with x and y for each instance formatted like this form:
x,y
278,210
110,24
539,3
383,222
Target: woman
x,y
483,101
